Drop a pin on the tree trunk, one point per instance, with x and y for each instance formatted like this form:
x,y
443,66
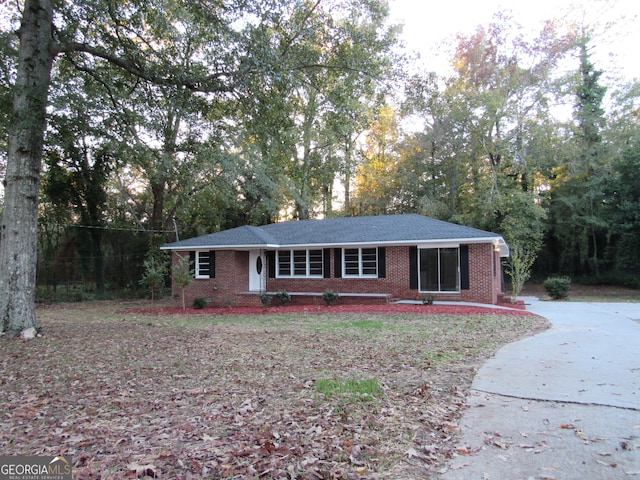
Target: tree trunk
x,y
158,194
348,150
18,235
98,261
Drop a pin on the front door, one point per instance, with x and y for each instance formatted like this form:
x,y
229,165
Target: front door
x,y
257,269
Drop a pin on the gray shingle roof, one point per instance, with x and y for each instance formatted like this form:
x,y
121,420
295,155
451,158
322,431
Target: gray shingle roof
x,y
374,230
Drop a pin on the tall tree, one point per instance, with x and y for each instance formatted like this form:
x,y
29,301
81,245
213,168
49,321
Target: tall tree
x,y
375,179
578,224
435,162
76,177
306,122
622,209
589,113
18,235
480,143
218,51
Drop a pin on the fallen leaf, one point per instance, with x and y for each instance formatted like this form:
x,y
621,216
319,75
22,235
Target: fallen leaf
x,y
143,470
501,444
412,452
581,435
463,450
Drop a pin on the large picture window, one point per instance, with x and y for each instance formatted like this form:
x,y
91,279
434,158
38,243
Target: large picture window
x,y
439,269
300,263
360,262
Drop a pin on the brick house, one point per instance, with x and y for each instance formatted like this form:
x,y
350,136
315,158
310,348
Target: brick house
x,y
364,259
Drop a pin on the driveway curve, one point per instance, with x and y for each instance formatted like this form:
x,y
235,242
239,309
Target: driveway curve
x,y
564,404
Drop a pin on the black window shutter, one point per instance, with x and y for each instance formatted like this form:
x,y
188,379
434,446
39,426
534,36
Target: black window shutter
x,y
337,263
382,262
413,268
464,267
271,263
326,263
212,264
192,263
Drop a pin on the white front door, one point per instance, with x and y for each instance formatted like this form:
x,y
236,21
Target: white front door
x,y
257,270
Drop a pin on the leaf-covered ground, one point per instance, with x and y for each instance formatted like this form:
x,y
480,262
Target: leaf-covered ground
x,y
156,395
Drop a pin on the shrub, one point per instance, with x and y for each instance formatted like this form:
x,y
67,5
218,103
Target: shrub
x,y
155,270
284,297
265,299
557,287
329,296
199,302
428,299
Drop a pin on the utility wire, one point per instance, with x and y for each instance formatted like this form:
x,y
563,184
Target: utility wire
x,y
122,229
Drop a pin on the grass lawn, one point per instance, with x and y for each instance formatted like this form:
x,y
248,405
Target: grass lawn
x,y
286,395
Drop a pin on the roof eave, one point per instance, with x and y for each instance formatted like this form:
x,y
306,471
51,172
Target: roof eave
x,y
498,242
220,247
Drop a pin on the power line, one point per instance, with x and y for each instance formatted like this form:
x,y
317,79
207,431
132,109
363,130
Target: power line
x,y
122,229
57,258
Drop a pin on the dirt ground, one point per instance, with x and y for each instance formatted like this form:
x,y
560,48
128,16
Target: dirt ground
x,y
157,395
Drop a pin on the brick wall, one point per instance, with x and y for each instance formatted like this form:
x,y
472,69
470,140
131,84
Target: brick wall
x,y
484,281
231,283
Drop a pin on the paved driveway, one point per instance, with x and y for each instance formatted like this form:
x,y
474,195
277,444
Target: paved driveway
x,y
564,404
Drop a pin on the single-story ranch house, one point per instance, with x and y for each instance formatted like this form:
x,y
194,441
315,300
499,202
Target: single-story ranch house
x,y
363,259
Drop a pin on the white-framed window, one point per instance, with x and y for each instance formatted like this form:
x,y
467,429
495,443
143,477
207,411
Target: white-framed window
x,y
360,262
439,269
300,263
204,264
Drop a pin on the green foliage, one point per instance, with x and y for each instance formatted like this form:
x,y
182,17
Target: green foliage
x,y
155,271
329,296
428,298
588,111
558,287
578,222
349,389
366,325
614,277
518,267
182,276
622,209
579,227
230,125
199,303
284,297
266,299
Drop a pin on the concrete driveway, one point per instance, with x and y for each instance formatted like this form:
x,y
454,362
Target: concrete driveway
x,y
564,404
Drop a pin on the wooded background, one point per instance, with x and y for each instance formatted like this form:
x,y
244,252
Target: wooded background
x,y
219,114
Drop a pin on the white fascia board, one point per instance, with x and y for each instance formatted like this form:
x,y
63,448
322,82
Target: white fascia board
x,y
223,247
498,243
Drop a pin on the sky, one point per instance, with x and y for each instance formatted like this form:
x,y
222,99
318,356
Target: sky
x,y
427,23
